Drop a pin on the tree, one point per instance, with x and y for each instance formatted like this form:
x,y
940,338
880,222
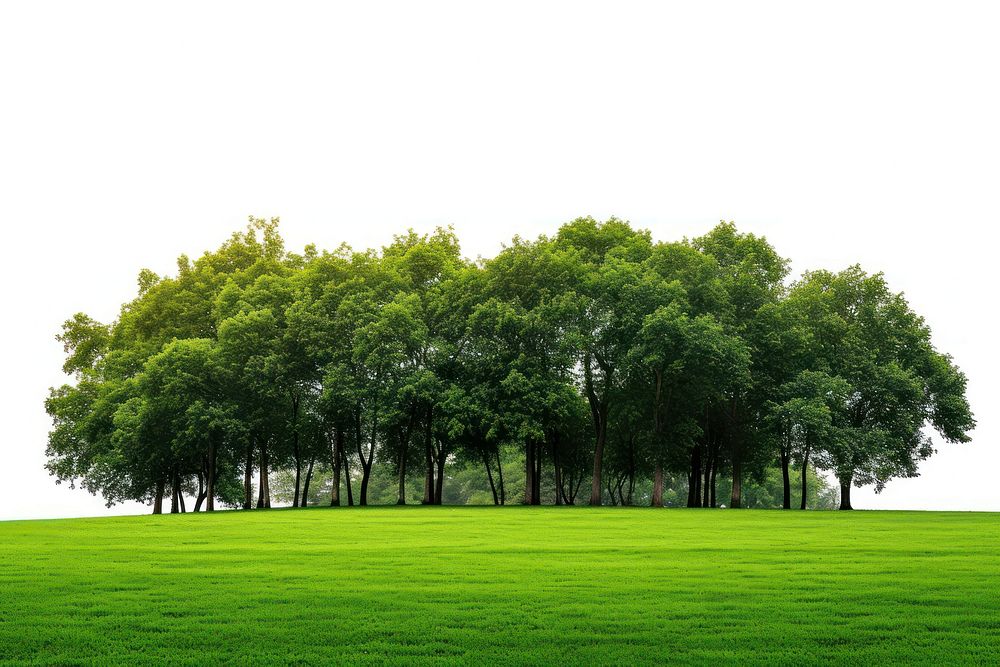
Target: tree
x,y
899,384
687,362
752,274
592,354
807,421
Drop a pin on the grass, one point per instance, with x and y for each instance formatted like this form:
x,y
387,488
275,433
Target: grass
x,y
509,585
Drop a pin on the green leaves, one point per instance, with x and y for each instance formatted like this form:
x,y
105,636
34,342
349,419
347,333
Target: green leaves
x,y
668,354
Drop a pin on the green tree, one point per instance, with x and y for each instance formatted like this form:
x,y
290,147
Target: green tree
x,y
899,384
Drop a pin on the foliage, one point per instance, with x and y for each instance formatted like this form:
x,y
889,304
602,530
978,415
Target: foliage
x,y
649,369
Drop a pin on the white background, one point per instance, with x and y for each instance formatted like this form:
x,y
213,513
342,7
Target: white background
x,y
844,132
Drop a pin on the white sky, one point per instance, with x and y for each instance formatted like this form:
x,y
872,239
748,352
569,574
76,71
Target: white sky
x,y
845,132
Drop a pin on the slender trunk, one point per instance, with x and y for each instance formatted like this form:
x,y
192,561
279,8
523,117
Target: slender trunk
x,y
503,490
537,494
248,479
211,475
442,458
489,475
264,496
658,486
337,455
180,499
201,491
736,446
736,497
298,475
845,493
428,498
260,478
715,465
267,482
295,448
158,497
305,488
576,489
631,470
786,485
567,483
706,480
401,491
347,477
366,473
805,467
599,410
595,486
694,476
568,488
556,471
529,473
697,478
366,462
174,484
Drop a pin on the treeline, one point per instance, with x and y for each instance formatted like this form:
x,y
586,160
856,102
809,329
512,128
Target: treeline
x,y
598,359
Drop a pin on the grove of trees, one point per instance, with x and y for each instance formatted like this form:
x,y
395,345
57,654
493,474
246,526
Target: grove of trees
x,y
593,366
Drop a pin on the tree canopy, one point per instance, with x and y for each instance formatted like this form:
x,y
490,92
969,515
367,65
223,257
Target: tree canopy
x,y
657,371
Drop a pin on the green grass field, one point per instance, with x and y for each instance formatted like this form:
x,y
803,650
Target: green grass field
x,y
502,585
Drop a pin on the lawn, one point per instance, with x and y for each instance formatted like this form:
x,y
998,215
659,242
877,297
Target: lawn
x,y
508,585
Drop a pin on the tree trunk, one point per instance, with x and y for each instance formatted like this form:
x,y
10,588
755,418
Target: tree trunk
x,y
174,484
694,477
201,491
366,474
442,458
576,489
180,500
658,486
158,497
697,477
736,497
538,473
338,448
786,485
305,488
248,479
599,410
715,465
845,493
347,478
529,473
602,435
211,475
706,480
298,475
805,467
503,490
401,492
489,475
295,448
556,471
366,462
428,458
264,496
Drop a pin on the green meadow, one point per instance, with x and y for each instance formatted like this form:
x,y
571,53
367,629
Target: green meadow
x,y
514,585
